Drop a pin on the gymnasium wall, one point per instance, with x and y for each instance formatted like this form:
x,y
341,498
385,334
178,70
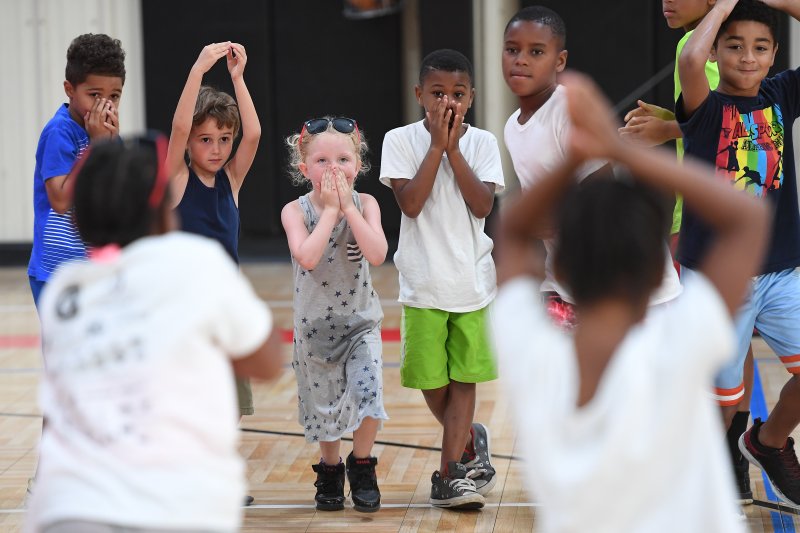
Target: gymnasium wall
x,y
35,35
305,60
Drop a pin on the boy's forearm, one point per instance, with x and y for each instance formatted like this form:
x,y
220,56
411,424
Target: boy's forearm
x,y
251,126
695,51
413,194
478,196
535,206
719,203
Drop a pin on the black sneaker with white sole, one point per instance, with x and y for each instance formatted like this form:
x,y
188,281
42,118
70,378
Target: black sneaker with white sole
x,y
780,464
456,490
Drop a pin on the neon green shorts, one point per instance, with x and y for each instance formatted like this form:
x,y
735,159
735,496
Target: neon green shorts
x,y
440,346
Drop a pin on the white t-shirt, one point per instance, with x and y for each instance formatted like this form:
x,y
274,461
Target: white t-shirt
x,y
537,148
138,391
443,255
649,446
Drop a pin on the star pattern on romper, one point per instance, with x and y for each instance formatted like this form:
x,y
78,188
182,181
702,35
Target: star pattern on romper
x,y
337,293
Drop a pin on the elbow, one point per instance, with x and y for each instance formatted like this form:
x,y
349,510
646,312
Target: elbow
x,y
411,211
378,258
60,206
307,263
482,211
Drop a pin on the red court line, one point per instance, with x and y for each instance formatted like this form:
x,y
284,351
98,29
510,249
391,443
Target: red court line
x,y
32,341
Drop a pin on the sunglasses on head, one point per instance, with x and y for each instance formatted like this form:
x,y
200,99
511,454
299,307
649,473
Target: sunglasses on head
x,y
340,124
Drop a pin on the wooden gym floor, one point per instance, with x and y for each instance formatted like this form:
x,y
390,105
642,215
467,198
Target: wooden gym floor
x,y
278,459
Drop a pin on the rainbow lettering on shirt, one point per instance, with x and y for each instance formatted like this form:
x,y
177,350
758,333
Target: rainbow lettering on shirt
x,y
750,150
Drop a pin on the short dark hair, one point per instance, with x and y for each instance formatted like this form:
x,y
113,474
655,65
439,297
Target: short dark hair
x,y
755,11
448,61
219,105
94,53
611,240
112,189
544,16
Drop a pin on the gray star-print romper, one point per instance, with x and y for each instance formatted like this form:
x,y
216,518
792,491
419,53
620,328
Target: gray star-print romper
x,y
337,337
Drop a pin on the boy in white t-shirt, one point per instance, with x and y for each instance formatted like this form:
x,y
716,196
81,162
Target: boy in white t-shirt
x,y
534,54
622,394
141,344
444,174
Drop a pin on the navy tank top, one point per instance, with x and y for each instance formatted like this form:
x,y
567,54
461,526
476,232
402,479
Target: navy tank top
x,y
211,211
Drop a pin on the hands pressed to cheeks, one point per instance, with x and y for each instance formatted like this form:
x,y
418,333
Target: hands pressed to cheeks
x,y
444,123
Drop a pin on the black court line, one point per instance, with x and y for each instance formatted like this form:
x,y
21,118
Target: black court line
x,y
294,434
777,506
383,442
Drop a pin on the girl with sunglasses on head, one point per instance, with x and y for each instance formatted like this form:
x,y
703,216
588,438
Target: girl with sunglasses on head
x,y
334,234
142,343
206,191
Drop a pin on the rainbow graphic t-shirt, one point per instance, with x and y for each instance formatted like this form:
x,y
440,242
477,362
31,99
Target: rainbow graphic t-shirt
x,y
749,142
750,149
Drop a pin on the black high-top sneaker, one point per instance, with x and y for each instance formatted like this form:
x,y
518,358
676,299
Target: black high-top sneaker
x,y
363,484
330,486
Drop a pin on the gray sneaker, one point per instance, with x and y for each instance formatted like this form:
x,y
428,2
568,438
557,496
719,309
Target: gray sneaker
x,y
480,469
456,491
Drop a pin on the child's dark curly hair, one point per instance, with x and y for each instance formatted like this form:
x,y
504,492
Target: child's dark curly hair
x,y
752,11
94,53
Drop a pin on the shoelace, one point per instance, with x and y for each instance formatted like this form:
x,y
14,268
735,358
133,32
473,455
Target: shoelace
x,y
478,471
462,484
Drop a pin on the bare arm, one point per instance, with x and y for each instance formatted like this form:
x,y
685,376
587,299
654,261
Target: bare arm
x,y
307,248
266,362
518,252
649,125
478,195
692,61
790,7
366,227
740,221
59,192
412,194
182,120
240,165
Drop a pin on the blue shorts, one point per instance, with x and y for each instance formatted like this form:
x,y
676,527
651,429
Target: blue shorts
x,y
772,306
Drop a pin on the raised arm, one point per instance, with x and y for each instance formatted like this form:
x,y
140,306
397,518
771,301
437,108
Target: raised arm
x,y
740,221
240,165
478,195
692,61
790,7
518,247
307,248
182,120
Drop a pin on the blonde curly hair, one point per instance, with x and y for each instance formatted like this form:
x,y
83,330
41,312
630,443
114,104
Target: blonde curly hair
x,y
298,152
